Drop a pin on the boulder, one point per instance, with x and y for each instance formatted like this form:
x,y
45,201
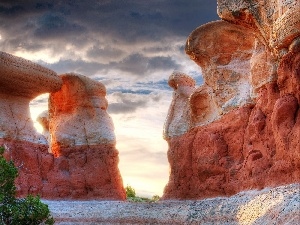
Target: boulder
x,y
43,120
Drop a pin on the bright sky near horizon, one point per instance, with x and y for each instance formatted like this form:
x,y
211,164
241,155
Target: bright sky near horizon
x,y
131,47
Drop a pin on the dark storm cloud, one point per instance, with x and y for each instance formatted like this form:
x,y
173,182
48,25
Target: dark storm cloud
x,y
91,37
138,64
129,103
53,25
135,64
104,51
77,66
123,20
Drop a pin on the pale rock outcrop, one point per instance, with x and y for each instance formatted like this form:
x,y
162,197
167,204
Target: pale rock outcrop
x,y
178,120
263,67
43,119
255,142
226,71
21,81
203,106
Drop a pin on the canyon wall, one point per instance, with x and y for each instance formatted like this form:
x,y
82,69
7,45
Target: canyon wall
x,y
77,158
243,127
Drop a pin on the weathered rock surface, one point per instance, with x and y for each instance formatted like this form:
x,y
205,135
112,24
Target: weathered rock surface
x,y
245,131
225,62
278,206
276,23
21,81
88,174
84,163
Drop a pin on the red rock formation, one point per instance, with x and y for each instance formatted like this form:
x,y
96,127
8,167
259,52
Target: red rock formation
x,y
254,144
82,141
85,161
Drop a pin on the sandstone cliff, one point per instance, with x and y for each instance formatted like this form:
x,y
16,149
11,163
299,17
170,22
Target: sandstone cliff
x,y
244,122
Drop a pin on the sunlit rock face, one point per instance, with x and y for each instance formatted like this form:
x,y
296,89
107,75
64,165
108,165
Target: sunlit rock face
x,y
78,114
245,131
21,81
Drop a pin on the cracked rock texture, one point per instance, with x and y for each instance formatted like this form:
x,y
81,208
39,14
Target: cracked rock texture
x,y
278,206
244,122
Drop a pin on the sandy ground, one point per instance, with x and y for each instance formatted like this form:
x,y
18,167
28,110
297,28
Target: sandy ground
x,y
278,206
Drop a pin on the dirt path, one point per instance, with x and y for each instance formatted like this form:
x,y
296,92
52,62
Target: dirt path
x,y
278,206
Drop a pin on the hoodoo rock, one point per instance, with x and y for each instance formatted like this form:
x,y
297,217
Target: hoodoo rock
x,y
245,131
82,141
84,162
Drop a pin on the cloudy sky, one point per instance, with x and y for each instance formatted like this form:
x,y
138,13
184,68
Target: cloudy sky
x,y
131,46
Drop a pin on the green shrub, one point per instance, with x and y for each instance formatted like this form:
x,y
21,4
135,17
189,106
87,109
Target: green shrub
x,y
130,192
155,198
131,196
13,211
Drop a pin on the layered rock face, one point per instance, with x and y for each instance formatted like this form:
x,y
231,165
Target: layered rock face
x,y
244,121
84,162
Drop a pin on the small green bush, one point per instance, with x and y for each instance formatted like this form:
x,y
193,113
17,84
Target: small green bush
x,y
131,196
155,198
130,192
13,211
